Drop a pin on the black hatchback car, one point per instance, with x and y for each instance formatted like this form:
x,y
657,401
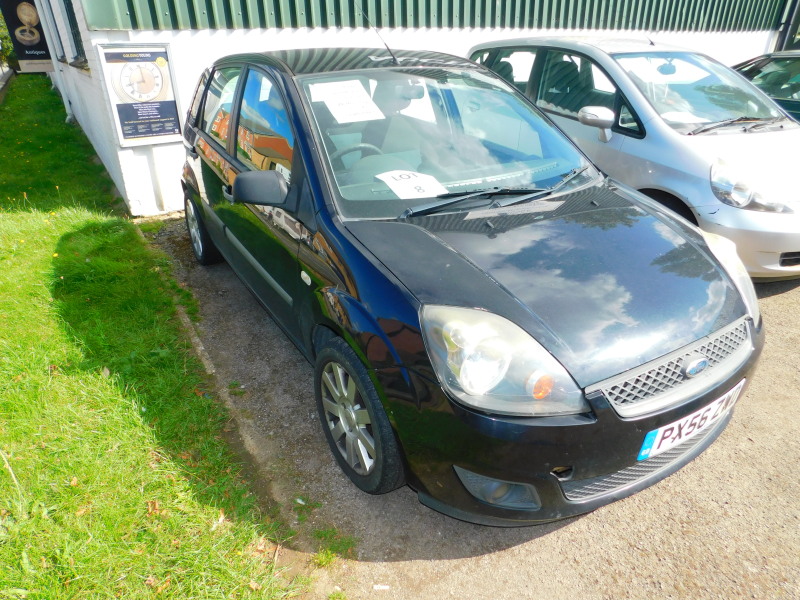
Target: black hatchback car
x,y
491,320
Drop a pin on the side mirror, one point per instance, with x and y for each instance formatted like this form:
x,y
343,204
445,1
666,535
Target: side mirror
x,y
600,117
263,188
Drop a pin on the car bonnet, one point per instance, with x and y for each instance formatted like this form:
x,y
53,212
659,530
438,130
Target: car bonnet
x,y
600,282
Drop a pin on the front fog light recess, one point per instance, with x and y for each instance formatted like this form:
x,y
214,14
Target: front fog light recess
x,y
497,492
489,363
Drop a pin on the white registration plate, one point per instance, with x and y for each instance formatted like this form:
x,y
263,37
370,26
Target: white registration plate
x,y
666,437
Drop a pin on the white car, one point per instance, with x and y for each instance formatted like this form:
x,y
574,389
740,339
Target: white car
x,y
676,125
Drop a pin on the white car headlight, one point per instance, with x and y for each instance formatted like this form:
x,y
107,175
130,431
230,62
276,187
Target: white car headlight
x,y
729,187
725,251
489,363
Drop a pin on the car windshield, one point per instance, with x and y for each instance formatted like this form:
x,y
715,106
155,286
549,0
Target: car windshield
x,y
778,77
690,90
398,139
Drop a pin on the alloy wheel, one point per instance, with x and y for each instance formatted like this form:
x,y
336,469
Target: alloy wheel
x,y
347,418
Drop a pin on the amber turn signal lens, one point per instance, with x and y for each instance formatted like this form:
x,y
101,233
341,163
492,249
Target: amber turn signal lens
x,y
542,386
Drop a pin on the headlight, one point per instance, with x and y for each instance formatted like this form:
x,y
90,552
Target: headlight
x,y
725,251
729,187
488,363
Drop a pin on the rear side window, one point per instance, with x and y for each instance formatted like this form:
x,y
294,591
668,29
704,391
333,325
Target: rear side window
x,y
198,98
219,103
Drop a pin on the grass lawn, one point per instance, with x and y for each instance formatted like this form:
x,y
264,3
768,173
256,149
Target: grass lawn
x,y
114,479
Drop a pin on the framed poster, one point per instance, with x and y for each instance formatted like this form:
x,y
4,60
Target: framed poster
x,y
139,84
27,36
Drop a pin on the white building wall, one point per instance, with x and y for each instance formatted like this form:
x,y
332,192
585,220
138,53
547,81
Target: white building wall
x,y
148,177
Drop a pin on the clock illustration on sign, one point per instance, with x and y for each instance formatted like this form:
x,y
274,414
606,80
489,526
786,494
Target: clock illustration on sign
x,y
141,82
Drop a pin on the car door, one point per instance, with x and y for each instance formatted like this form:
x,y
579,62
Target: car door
x,y
563,82
266,238
215,171
260,242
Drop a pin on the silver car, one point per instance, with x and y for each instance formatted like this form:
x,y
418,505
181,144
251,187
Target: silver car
x,y
676,125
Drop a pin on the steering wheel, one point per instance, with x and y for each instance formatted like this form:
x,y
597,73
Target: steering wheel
x,y
363,147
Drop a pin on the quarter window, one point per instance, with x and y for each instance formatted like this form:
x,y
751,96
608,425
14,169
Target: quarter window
x,y
264,139
198,97
219,103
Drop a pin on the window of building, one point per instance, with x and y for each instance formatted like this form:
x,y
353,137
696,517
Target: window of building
x,y
55,38
78,53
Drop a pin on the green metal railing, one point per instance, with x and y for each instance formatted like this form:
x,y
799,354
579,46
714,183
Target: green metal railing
x,y
650,15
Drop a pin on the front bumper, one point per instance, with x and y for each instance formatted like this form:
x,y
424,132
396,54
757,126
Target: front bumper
x,y
767,243
574,463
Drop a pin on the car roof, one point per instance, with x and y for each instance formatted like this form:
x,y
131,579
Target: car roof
x,y
327,60
609,45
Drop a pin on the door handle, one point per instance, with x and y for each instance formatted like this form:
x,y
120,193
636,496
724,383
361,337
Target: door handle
x,y
227,193
192,152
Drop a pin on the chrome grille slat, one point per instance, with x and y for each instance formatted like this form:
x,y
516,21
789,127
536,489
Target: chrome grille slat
x,y
587,488
659,378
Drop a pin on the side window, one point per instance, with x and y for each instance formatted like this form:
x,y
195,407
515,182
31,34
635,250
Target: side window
x,y
566,85
627,120
198,98
480,56
571,81
515,66
264,139
219,103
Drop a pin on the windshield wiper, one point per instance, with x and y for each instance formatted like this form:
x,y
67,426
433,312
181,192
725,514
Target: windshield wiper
x,y
771,121
724,123
451,198
541,193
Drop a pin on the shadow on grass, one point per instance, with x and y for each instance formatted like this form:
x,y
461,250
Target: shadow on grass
x,y
45,162
117,306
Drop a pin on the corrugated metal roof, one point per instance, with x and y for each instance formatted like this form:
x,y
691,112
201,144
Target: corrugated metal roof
x,y
651,15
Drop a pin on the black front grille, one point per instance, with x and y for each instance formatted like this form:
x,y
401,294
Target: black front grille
x,y
583,489
661,377
790,259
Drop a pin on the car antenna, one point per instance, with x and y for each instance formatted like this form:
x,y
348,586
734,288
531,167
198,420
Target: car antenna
x,y
375,29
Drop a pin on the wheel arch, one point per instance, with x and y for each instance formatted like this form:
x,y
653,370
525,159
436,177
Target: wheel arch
x,y
672,202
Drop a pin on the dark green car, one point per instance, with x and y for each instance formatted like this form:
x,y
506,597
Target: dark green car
x,y
778,75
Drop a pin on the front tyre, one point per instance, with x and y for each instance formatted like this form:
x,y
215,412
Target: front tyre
x,y
354,421
203,247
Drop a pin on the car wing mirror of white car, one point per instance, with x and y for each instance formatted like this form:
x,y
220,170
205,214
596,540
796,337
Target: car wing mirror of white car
x,y
263,188
600,117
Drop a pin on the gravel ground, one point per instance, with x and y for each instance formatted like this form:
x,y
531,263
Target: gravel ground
x,y
725,526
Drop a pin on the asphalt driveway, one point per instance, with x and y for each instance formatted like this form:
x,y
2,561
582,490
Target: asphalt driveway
x,y
726,526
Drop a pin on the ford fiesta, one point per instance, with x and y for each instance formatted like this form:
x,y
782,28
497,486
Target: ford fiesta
x,y
492,322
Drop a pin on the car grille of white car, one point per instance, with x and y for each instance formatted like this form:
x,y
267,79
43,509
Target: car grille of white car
x,y
663,382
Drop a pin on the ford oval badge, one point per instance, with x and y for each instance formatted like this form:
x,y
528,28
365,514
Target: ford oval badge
x,y
694,366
